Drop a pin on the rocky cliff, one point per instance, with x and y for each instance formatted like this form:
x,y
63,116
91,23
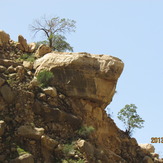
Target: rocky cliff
x,y
64,122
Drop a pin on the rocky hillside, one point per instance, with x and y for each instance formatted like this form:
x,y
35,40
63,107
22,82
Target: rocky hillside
x,y
52,107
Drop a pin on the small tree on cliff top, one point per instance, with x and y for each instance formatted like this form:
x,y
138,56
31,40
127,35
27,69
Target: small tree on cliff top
x,y
53,29
128,115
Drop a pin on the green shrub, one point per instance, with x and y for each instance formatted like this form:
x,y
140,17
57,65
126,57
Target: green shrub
x,y
44,78
20,151
68,148
85,131
28,57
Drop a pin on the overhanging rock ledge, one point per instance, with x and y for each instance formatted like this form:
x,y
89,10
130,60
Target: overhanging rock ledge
x,y
83,75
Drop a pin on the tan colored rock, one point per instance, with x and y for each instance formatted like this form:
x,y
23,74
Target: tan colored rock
x,y
2,104
30,132
22,43
133,141
155,155
31,47
2,127
2,81
28,65
26,158
86,76
34,83
7,63
147,159
42,50
97,112
4,38
7,93
20,72
19,46
51,91
11,69
147,148
48,143
2,69
86,147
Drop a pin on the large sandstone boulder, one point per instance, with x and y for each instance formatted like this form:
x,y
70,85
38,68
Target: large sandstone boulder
x,y
83,75
22,43
42,50
32,47
4,38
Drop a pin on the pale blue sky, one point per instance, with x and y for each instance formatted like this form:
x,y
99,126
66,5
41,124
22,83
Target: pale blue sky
x,y
131,30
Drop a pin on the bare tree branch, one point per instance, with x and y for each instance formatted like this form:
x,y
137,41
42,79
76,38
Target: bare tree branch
x,y
53,27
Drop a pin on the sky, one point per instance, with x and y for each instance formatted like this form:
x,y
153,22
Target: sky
x,y
131,30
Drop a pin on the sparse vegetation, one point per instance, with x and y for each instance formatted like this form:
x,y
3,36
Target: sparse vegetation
x,y
28,57
85,131
68,148
69,152
44,78
21,151
53,29
128,115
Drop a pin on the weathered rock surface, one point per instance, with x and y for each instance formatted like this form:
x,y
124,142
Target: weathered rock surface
x,y
2,81
4,38
80,75
2,127
147,148
28,65
65,122
147,159
42,50
48,143
51,91
7,93
31,47
30,132
22,44
26,158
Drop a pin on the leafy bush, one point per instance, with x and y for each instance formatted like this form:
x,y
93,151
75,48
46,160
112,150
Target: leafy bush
x,y
129,116
85,131
44,78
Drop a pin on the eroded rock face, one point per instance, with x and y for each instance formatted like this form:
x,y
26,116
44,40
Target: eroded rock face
x,y
4,38
30,132
7,93
147,148
42,50
25,158
83,75
22,43
67,120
